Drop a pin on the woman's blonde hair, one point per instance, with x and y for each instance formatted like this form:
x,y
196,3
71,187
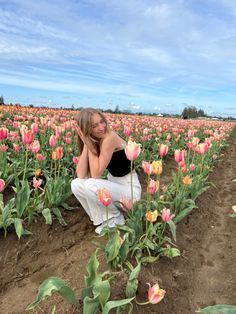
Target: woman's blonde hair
x,y
84,121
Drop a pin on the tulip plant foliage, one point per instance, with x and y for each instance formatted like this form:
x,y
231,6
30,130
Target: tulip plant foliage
x,y
38,155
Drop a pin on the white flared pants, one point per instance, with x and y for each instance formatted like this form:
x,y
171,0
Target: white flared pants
x,y
86,191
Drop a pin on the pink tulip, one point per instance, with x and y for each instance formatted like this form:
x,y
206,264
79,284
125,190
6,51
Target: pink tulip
x,y
17,148
3,148
166,216
35,146
104,197
37,183
155,294
76,160
3,133
153,186
126,204
132,150
192,167
35,127
163,150
147,167
27,137
68,140
2,185
40,157
179,155
202,148
52,141
127,131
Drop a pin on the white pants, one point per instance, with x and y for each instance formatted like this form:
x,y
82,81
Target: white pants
x,y
86,191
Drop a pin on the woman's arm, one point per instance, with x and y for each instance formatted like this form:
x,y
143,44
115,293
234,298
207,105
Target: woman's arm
x,y
97,165
82,169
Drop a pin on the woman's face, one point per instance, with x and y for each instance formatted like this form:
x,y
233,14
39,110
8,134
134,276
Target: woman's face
x,y
98,126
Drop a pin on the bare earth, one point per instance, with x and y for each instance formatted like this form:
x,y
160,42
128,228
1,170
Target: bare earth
x,y
205,274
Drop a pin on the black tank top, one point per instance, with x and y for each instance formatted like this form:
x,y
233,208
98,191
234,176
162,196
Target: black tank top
x,y
119,165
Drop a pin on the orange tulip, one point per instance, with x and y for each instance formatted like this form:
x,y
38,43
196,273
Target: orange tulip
x,y
187,180
152,216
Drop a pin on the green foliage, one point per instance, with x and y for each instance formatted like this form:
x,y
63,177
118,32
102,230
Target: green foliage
x,y
218,309
192,112
51,285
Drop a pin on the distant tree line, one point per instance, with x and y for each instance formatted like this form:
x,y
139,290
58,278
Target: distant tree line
x,y
192,112
1,100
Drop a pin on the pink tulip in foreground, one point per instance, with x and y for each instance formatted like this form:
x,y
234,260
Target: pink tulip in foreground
x,y
153,186
104,197
166,216
155,294
132,150
37,183
27,137
2,185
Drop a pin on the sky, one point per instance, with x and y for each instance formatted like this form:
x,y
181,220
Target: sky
x,y
153,56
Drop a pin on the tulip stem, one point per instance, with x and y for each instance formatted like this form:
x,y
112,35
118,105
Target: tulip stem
x,y
26,160
131,180
142,303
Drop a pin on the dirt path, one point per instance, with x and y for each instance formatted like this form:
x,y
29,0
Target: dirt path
x,y
204,275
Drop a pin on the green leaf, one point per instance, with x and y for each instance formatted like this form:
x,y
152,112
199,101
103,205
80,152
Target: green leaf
x,y
184,213
92,268
113,304
18,227
51,285
218,309
90,305
112,247
58,214
132,284
102,289
171,252
149,259
172,229
22,198
47,215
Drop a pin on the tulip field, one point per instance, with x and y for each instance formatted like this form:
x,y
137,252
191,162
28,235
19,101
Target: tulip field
x,y
174,254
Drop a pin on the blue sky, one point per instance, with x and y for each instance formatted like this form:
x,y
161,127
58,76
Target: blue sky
x,y
144,55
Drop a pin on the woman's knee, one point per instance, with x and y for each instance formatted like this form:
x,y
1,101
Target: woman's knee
x,y
91,185
76,185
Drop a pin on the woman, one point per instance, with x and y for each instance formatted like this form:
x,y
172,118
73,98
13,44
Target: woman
x,y
100,148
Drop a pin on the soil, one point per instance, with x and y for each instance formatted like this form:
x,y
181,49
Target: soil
x,y
204,274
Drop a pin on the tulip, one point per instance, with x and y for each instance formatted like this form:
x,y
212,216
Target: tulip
x,y
27,137
234,208
187,180
127,131
35,127
37,183
35,146
153,186
2,185
40,157
38,173
192,167
104,197
75,160
126,204
3,133
163,150
132,150
157,167
166,216
155,294
17,148
202,148
180,155
52,141
3,148
147,167
152,216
